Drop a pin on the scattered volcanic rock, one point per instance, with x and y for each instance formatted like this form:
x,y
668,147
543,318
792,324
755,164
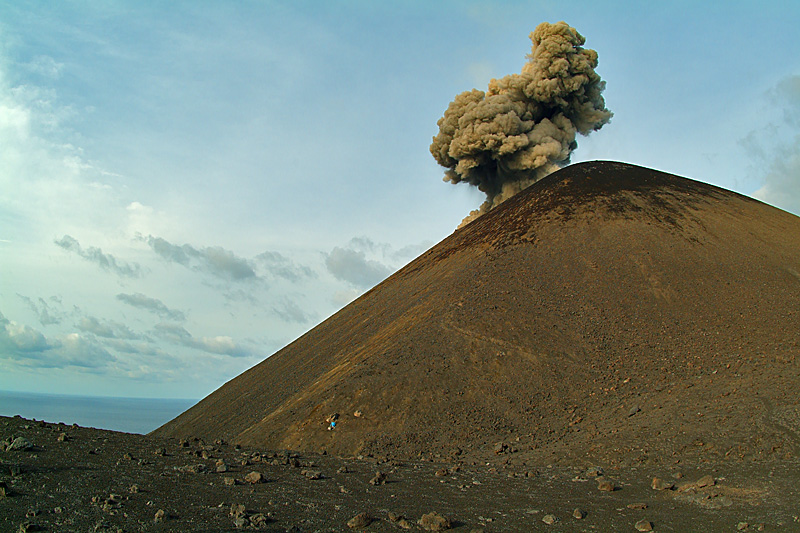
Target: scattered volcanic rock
x,y
606,485
378,479
549,519
360,520
312,474
601,288
434,522
661,484
254,477
19,443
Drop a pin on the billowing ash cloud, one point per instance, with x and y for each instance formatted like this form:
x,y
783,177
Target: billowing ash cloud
x,y
524,126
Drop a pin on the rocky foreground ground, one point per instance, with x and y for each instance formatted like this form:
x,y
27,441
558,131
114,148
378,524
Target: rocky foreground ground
x,y
55,477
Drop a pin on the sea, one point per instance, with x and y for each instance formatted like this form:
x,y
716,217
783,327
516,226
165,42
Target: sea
x,y
130,415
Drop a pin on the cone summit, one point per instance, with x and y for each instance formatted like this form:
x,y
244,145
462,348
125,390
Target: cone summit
x,y
608,311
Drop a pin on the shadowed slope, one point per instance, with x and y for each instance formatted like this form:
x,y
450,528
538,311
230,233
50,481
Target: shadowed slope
x,y
608,310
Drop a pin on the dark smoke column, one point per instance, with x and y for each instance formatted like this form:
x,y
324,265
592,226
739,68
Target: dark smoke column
x,y
524,126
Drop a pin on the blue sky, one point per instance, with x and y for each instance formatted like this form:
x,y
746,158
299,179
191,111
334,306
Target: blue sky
x,y
186,187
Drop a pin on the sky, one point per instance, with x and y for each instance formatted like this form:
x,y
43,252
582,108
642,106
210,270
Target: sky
x,y
186,187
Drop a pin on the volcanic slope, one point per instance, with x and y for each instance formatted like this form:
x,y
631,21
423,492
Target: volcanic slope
x,y
609,312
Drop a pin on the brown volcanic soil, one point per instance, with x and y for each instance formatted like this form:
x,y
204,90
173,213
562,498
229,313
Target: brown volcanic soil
x,y
608,314
106,481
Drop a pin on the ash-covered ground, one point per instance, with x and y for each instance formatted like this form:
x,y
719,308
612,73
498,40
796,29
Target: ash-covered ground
x,y
55,477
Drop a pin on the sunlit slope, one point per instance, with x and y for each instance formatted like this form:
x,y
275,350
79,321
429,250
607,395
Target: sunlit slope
x,y
608,310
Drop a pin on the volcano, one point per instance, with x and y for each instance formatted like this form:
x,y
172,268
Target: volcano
x,y
608,312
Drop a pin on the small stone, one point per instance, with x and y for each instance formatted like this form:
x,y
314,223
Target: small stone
x,y
635,409
259,519
133,489
237,510
549,519
4,490
221,468
441,472
342,470
594,471
160,516
434,522
229,481
606,485
160,452
360,520
254,477
643,525
500,447
379,479
741,526
661,484
579,513
358,414
193,469
62,437
20,444
393,517
637,506
405,524
705,481
28,526
312,474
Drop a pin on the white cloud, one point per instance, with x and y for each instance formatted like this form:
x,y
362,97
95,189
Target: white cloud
x,y
278,265
363,263
19,338
353,267
45,66
95,255
108,329
30,348
221,344
775,148
213,260
153,305
288,310
46,312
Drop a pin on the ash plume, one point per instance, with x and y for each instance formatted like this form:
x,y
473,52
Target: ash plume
x,y
524,126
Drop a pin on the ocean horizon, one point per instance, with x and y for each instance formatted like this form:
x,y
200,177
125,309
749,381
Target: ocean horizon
x,y
129,415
